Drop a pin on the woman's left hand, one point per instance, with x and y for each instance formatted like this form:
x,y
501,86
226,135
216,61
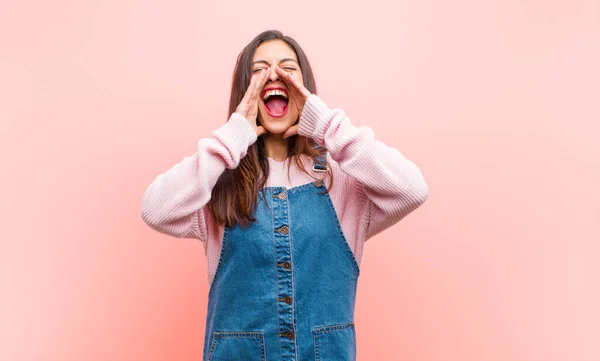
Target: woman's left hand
x,y
299,93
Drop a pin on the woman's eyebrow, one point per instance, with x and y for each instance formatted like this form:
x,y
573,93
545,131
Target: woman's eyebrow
x,y
288,59
280,61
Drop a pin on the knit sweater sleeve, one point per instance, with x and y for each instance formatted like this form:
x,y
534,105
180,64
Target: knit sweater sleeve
x,y
391,185
174,203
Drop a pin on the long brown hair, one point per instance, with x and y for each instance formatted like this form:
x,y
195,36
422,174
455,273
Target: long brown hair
x,y
235,195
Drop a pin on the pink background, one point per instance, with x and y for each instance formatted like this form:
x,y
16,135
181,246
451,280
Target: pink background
x,y
496,101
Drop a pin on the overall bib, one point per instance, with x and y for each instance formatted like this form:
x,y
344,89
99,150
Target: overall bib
x,y
285,287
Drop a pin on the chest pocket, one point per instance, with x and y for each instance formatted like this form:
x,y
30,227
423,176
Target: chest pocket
x,y
241,345
335,342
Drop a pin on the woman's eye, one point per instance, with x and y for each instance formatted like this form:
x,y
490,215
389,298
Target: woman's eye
x,y
289,68
257,70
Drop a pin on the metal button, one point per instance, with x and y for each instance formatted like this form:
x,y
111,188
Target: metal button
x,y
289,335
319,183
287,300
283,230
282,195
285,265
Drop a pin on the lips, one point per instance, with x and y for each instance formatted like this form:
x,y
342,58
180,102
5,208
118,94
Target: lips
x,y
276,101
274,88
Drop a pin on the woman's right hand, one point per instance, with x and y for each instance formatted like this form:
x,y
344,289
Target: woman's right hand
x,y
248,107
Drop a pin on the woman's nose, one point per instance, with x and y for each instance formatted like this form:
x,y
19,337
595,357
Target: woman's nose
x,y
273,76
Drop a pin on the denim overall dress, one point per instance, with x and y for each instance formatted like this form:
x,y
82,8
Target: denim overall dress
x,y
285,287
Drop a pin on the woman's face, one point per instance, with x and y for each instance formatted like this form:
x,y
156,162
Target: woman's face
x,y
277,112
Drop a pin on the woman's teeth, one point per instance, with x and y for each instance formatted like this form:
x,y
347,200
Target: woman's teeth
x,y
274,92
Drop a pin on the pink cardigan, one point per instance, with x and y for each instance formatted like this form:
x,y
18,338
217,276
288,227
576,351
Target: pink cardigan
x,y
374,187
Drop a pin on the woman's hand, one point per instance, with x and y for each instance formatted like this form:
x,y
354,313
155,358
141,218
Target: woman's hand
x,y
248,107
299,94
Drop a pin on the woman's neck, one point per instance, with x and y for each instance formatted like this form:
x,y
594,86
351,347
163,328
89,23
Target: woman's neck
x,y
275,146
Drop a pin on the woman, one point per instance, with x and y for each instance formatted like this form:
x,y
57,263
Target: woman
x,y
283,250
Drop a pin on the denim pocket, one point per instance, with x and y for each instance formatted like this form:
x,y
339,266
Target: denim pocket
x,y
335,342
237,345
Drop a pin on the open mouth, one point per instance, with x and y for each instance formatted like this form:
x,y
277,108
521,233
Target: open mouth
x,y
276,101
